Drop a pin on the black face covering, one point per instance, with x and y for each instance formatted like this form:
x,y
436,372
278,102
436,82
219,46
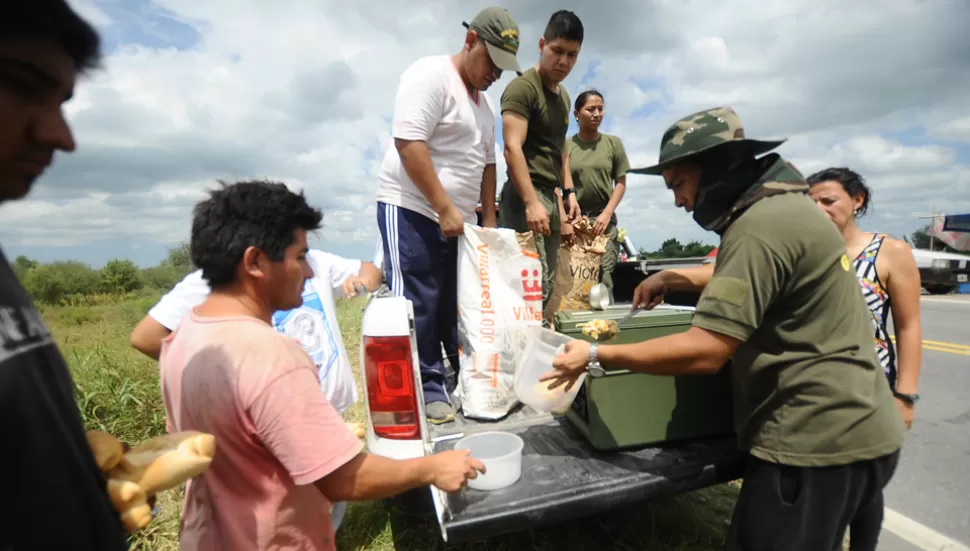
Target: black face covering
x,y
726,189
721,184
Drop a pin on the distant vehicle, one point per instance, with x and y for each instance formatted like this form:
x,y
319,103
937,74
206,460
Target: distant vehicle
x,y
941,272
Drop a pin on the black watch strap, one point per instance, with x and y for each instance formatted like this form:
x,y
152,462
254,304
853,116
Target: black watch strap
x,y
567,191
910,399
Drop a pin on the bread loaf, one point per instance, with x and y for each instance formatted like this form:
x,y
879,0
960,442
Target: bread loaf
x,y
166,461
154,466
107,449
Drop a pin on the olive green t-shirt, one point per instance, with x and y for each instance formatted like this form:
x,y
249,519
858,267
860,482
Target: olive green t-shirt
x,y
548,116
595,166
808,387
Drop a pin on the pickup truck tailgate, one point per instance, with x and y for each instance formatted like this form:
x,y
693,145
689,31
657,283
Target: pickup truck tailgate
x,y
564,478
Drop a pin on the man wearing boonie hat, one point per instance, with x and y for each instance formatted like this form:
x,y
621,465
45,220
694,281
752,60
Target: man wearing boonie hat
x,y
813,408
441,165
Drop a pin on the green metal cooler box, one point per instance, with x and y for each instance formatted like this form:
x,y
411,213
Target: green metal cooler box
x,y
624,409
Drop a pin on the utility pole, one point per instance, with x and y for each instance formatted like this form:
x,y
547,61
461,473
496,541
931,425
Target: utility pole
x,y
932,217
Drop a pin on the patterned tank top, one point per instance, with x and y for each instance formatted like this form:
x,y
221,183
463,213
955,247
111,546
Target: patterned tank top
x,y
878,300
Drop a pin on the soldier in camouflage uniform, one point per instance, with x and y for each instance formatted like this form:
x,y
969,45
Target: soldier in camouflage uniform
x,y
813,409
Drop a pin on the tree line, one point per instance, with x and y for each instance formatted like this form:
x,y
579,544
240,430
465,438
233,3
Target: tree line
x,y
673,248
69,282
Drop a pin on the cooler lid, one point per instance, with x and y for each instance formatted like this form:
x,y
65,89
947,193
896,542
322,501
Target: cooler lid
x,y
660,316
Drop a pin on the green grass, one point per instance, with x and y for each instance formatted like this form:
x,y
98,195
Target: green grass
x,y
117,390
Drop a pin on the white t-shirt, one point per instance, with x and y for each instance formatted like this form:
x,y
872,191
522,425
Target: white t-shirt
x,y
314,323
433,105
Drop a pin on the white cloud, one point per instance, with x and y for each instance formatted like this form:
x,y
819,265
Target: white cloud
x,y
955,130
301,90
92,12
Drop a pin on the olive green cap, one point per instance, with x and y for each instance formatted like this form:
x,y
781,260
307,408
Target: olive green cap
x,y
500,33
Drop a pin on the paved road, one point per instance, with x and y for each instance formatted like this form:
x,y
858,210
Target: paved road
x,y
932,484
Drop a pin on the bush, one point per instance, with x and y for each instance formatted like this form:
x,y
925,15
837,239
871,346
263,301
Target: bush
x,y
72,283
62,282
78,315
162,278
135,308
120,276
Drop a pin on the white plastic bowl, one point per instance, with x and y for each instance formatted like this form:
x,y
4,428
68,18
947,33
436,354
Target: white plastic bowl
x,y
500,452
536,360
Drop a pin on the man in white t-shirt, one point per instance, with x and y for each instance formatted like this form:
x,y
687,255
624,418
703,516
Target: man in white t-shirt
x,y
314,323
442,164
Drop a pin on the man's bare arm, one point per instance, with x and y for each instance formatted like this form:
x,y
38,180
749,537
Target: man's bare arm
x,y
489,185
416,159
649,293
570,203
690,280
694,352
371,275
147,337
369,477
515,127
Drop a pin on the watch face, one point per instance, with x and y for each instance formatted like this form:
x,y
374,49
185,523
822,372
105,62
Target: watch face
x,y
596,371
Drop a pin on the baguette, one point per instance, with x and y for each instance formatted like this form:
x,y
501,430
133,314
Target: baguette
x,y
164,462
154,466
107,449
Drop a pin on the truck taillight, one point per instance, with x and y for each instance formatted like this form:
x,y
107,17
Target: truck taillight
x,y
391,395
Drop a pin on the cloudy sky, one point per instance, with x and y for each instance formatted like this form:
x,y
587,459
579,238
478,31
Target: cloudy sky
x,y
302,91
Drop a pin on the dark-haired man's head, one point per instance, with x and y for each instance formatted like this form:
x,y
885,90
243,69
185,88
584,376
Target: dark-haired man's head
x,y
686,179
250,237
44,46
841,193
559,45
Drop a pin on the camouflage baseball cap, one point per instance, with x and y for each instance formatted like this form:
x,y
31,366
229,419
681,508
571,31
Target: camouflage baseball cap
x,y
500,32
702,131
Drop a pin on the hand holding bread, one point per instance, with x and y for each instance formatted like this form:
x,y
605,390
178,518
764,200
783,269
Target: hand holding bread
x,y
156,465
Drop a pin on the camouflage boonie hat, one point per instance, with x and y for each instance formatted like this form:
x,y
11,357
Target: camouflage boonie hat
x,y
500,33
702,131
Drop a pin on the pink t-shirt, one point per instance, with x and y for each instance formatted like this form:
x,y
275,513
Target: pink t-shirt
x,y
257,392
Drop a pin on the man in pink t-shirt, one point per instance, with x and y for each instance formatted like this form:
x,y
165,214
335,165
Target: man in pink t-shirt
x,y
283,452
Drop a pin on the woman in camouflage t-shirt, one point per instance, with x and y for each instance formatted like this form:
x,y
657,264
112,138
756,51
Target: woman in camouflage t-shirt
x,y
599,165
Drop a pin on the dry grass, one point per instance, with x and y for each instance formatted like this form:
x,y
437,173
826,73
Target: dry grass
x,y
117,390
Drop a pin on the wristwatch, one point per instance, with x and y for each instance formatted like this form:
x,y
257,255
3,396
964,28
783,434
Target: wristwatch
x,y
593,366
567,190
910,399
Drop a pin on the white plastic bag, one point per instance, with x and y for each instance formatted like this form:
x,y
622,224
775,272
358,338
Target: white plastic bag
x,y
499,295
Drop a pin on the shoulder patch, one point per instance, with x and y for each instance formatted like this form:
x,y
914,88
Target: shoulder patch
x,y
731,290
845,262
786,186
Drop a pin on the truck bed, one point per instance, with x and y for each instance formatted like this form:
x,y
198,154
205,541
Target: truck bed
x,y
565,478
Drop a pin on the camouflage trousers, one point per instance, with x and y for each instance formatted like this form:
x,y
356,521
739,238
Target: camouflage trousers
x,y
610,257
512,215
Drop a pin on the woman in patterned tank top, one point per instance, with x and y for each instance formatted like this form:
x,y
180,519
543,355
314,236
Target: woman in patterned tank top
x,y
888,277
